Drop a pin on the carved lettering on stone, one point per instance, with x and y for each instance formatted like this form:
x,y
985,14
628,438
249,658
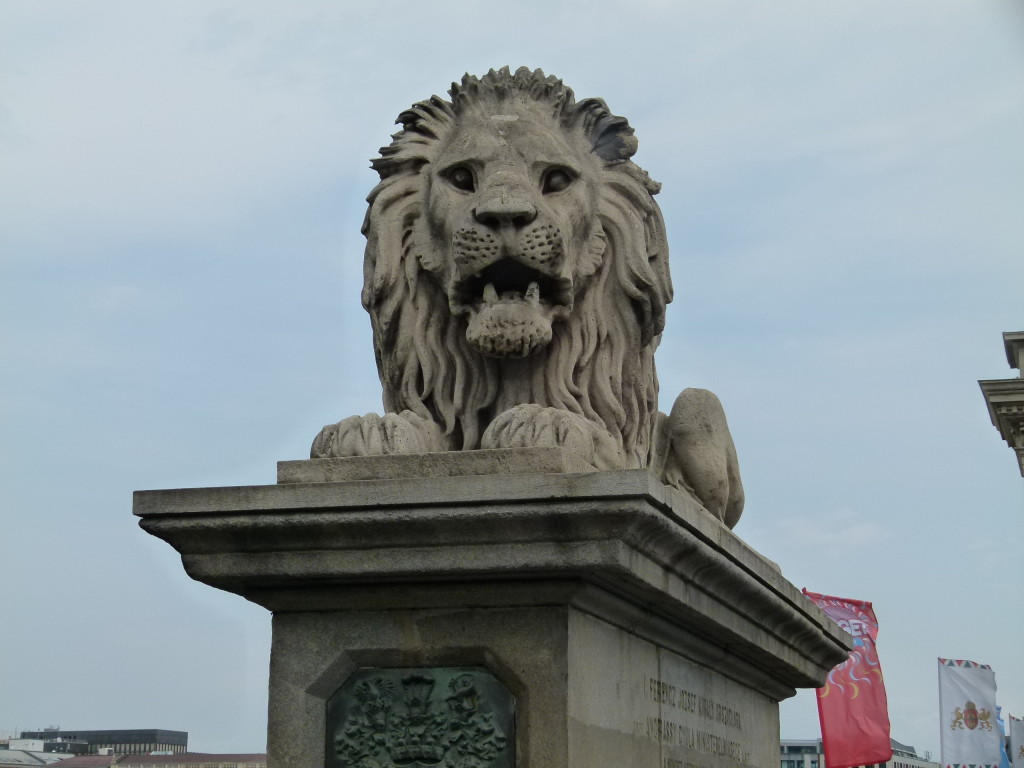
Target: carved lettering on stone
x,y
516,276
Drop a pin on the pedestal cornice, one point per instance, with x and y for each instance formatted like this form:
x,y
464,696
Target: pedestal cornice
x,y
619,545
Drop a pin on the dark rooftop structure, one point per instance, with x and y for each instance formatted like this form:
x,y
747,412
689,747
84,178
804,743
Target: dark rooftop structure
x,y
129,742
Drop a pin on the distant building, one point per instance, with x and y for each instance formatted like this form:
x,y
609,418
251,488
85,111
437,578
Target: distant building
x,y
56,744
194,760
123,742
181,760
89,761
1005,398
904,756
23,758
803,753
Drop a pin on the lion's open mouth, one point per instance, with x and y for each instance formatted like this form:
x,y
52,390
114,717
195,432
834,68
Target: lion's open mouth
x,y
508,281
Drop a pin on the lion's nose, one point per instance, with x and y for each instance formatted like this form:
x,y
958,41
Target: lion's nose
x,y
503,211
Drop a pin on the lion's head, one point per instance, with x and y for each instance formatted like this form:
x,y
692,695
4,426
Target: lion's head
x,y
515,254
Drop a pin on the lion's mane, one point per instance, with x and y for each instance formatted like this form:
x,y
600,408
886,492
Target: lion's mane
x,y
600,363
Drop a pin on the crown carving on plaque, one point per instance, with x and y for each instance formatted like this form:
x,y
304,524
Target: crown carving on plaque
x,y
419,735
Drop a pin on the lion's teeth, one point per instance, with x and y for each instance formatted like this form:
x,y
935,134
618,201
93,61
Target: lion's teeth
x,y
533,293
490,294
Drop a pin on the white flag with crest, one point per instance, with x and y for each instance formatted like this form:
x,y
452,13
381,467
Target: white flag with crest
x,y
1016,741
967,704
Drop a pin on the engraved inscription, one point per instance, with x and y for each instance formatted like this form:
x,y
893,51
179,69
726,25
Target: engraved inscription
x,y
673,696
448,717
658,709
695,725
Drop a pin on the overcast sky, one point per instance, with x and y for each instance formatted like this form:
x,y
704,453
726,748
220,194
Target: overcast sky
x,y
181,189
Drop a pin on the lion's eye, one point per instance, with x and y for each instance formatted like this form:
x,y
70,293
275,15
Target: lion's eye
x,y
461,177
556,180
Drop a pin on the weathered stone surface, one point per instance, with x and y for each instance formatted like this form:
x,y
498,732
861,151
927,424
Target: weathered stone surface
x,y
589,691
507,461
646,705
516,275
628,623
314,653
451,540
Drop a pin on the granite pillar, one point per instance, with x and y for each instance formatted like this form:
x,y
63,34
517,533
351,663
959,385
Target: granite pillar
x,y
629,626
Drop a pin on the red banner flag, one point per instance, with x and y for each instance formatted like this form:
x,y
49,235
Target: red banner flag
x,y
852,707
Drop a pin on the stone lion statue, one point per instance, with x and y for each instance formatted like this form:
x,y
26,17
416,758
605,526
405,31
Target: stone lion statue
x,y
516,276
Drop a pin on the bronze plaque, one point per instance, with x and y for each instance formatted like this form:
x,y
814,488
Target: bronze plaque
x,y
420,717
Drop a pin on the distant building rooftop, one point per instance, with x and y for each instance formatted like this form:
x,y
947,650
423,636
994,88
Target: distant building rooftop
x,y
15,758
88,761
190,759
808,753
124,741
202,759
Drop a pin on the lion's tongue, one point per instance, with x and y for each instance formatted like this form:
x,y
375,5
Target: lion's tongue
x,y
532,295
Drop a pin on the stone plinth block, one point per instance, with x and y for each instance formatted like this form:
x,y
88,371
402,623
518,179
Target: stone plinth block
x,y
620,622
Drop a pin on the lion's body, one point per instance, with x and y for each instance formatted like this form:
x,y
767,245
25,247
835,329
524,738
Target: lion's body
x,y
516,276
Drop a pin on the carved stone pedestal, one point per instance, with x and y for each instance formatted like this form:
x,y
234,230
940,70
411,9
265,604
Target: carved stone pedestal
x,y
538,616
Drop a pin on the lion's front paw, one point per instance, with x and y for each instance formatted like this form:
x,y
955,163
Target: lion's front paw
x,y
531,425
373,435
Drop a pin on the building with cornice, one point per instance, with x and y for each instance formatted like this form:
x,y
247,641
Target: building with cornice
x,y
1005,398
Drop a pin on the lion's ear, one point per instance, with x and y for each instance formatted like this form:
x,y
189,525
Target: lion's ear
x,y
611,136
